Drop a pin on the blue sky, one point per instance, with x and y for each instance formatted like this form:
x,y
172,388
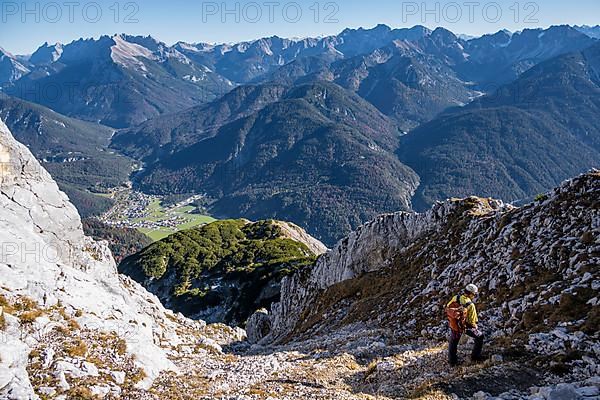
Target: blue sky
x,y
24,25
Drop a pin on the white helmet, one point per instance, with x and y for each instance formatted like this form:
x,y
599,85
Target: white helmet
x,y
472,288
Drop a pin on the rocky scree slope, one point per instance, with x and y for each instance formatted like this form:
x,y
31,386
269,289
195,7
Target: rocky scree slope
x,y
69,323
223,271
72,328
537,268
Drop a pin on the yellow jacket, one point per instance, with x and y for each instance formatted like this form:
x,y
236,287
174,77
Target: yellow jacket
x,y
471,310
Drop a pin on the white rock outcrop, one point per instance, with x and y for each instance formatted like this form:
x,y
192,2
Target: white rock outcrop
x,y
45,256
298,234
525,260
258,326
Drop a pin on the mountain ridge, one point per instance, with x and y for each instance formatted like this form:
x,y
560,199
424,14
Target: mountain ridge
x,y
223,271
124,81
10,68
202,72
374,279
497,145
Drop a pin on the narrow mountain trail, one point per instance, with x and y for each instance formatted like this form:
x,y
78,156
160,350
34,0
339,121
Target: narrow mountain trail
x,y
348,365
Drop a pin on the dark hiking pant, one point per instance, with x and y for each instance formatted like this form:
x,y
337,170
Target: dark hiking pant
x,y
455,338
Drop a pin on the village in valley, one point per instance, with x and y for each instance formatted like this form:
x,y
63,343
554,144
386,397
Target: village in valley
x,y
151,215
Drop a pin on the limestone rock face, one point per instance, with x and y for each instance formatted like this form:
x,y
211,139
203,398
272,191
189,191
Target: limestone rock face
x,y
537,270
71,327
29,195
298,234
47,263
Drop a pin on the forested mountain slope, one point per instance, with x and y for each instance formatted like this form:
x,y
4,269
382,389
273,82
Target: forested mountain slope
x,y
320,157
528,136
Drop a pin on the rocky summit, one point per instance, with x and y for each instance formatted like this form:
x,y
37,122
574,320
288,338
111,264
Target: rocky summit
x,y
364,322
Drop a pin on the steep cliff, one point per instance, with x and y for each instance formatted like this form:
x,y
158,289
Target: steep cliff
x,y
364,322
373,247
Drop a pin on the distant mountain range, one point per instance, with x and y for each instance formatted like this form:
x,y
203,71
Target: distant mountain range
x,y
402,79
329,132
591,31
11,69
117,81
170,133
318,155
249,61
123,80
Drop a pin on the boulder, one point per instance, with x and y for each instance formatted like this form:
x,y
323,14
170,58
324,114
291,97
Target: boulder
x,y
480,396
497,358
118,377
211,346
258,326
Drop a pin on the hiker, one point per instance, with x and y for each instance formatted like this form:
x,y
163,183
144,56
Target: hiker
x,y
462,317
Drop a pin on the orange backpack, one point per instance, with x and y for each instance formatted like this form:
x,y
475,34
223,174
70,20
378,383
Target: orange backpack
x,y
457,314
